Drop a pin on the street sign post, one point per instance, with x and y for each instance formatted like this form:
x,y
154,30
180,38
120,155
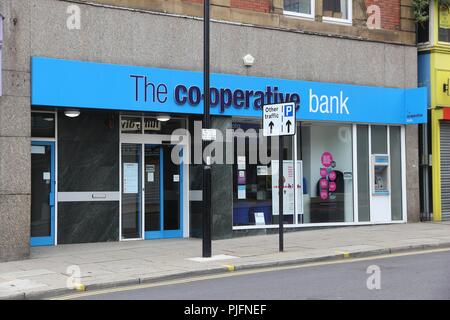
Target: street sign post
x,y
206,133
279,120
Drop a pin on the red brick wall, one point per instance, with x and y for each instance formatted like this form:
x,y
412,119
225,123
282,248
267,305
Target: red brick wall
x,y
390,13
390,9
253,5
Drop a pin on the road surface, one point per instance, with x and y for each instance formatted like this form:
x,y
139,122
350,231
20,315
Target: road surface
x,y
422,275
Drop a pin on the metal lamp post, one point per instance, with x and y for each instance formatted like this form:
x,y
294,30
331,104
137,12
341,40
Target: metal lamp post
x,y
207,228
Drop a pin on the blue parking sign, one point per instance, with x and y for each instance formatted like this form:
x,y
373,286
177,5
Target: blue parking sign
x,y
289,110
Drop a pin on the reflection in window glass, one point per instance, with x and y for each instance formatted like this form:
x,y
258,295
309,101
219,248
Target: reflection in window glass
x,y
253,180
423,29
131,125
131,190
327,155
336,8
153,126
444,22
42,125
299,6
379,139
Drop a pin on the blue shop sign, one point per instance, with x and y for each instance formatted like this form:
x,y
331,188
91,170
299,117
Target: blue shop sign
x,y
64,83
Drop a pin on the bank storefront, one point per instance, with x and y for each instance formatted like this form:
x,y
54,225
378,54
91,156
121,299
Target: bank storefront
x,y
115,153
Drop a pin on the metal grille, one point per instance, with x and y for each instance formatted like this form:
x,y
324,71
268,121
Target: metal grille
x,y
445,169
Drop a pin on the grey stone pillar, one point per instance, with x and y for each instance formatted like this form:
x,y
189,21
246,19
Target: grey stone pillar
x,y
412,173
15,154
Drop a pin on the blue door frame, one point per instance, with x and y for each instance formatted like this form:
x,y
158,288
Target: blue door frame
x,y
166,234
50,240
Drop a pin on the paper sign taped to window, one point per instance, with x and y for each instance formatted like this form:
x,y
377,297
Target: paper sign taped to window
x,y
46,176
241,162
262,170
259,218
242,193
130,178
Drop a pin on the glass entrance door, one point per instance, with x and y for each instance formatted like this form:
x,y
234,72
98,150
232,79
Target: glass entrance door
x,y
151,192
131,191
163,191
42,193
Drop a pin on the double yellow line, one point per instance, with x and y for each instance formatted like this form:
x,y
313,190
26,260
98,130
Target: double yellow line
x,y
233,273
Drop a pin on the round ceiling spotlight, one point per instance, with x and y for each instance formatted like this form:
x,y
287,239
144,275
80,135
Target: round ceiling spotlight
x,y
163,118
72,113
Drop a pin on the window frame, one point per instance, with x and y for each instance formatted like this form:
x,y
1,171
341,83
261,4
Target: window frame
x,y
431,27
435,15
341,21
311,16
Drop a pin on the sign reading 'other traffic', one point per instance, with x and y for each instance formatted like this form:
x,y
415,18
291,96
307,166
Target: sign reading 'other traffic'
x,y
279,120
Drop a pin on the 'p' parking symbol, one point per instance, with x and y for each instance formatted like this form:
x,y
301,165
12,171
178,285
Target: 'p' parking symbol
x,y
289,110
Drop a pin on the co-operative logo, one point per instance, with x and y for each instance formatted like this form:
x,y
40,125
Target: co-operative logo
x,y
147,90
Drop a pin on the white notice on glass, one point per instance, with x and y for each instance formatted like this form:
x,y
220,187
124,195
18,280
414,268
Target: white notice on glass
x,y
46,176
242,192
241,162
259,218
130,178
150,177
176,178
262,170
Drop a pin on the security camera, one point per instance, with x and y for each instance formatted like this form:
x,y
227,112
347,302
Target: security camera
x,y
249,60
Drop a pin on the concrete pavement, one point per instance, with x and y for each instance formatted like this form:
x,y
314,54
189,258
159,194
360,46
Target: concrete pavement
x,y
105,265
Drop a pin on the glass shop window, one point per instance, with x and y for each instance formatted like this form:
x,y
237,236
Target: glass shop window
x,y
43,125
151,125
299,7
337,10
423,29
327,156
154,126
131,124
444,22
254,178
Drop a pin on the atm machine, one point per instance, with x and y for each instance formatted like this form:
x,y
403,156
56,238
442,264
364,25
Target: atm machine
x,y
380,188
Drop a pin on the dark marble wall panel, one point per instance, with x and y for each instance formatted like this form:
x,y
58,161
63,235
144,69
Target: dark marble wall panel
x,y
195,184
86,222
222,189
88,152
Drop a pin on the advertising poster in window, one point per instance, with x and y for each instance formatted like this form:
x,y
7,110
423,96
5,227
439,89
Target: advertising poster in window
x,y
242,192
444,19
289,200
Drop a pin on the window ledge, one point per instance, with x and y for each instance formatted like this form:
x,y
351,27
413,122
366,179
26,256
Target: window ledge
x,y
346,22
299,15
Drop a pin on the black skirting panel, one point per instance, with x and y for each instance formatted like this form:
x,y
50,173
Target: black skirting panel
x,y
86,222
